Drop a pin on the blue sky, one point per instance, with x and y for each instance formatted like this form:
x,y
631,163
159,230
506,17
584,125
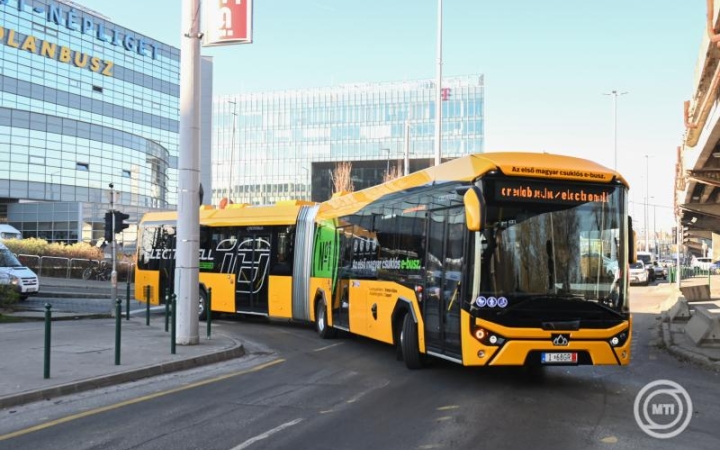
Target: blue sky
x,y
546,66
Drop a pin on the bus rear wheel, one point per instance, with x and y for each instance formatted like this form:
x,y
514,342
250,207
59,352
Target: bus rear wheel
x,y
321,326
202,305
409,343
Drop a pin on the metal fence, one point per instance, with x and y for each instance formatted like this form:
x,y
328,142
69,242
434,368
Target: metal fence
x,y
58,267
687,272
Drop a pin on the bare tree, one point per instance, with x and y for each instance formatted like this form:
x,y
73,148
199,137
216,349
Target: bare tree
x,y
341,178
394,173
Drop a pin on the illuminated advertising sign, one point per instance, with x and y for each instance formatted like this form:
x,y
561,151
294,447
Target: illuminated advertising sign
x,y
527,191
227,22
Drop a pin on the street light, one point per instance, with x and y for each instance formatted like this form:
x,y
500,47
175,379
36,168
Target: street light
x,y
307,178
387,166
438,88
647,198
615,96
232,148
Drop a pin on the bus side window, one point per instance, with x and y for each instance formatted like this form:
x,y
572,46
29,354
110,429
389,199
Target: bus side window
x,y
283,261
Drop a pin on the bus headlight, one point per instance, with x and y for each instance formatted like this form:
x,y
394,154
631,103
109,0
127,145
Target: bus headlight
x,y
487,337
619,339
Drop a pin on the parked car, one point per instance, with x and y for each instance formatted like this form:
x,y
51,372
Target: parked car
x,y
702,263
638,273
23,280
715,267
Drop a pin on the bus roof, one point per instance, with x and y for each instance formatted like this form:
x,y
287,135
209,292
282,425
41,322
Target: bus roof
x,y
281,213
469,167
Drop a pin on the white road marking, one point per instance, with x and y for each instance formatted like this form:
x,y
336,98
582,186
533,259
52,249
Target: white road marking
x,y
327,347
266,434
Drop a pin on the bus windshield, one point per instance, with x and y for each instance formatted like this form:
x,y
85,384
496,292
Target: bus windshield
x,y
554,259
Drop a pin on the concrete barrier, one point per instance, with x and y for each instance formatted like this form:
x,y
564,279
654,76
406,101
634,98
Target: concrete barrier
x,y
695,293
678,312
703,327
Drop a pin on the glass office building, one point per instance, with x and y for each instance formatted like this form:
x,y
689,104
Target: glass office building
x,y
84,102
274,146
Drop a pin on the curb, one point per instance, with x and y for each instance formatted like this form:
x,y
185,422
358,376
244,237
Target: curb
x,y
76,295
683,353
677,351
40,316
75,387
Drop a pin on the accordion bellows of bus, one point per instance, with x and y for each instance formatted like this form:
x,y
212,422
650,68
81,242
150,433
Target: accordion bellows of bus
x,y
501,258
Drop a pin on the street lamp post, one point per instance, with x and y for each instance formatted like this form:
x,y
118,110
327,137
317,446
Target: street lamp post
x,y
232,149
387,165
306,181
438,88
647,199
615,96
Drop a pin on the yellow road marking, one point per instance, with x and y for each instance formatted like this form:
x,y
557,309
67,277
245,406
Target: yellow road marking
x,y
103,409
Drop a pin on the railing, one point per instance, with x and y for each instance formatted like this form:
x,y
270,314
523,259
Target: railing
x,y
59,267
690,272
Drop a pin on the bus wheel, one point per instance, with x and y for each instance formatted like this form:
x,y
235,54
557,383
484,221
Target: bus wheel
x,y
321,325
202,303
409,343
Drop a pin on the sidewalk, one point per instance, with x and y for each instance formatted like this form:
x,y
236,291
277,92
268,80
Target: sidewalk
x,y
673,334
82,355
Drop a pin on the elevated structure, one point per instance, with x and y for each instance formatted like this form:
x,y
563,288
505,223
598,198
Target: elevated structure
x,y
697,181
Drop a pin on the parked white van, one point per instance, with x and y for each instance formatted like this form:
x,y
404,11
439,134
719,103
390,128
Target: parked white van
x,y
24,280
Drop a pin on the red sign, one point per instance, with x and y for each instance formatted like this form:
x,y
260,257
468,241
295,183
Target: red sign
x,y
445,93
227,22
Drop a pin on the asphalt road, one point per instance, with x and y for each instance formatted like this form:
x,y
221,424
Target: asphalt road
x,y
295,391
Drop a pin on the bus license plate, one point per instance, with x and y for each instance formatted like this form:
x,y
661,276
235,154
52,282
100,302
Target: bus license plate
x,y
554,358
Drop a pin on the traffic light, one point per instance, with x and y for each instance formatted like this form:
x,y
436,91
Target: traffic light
x,y
120,221
108,226
673,235
685,235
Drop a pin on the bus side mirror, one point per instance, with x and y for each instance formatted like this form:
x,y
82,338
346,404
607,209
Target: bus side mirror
x,y
632,251
474,209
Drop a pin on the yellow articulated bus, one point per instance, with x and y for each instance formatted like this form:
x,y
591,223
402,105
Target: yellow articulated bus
x,y
246,258
488,259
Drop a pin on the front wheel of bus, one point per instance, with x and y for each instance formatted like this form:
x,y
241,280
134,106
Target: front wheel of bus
x,y
202,303
321,325
409,343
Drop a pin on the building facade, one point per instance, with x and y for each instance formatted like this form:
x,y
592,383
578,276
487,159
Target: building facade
x,y
84,102
286,145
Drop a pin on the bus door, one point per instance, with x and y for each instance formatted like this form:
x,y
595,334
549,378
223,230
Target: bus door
x,y
444,259
341,294
253,262
164,243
